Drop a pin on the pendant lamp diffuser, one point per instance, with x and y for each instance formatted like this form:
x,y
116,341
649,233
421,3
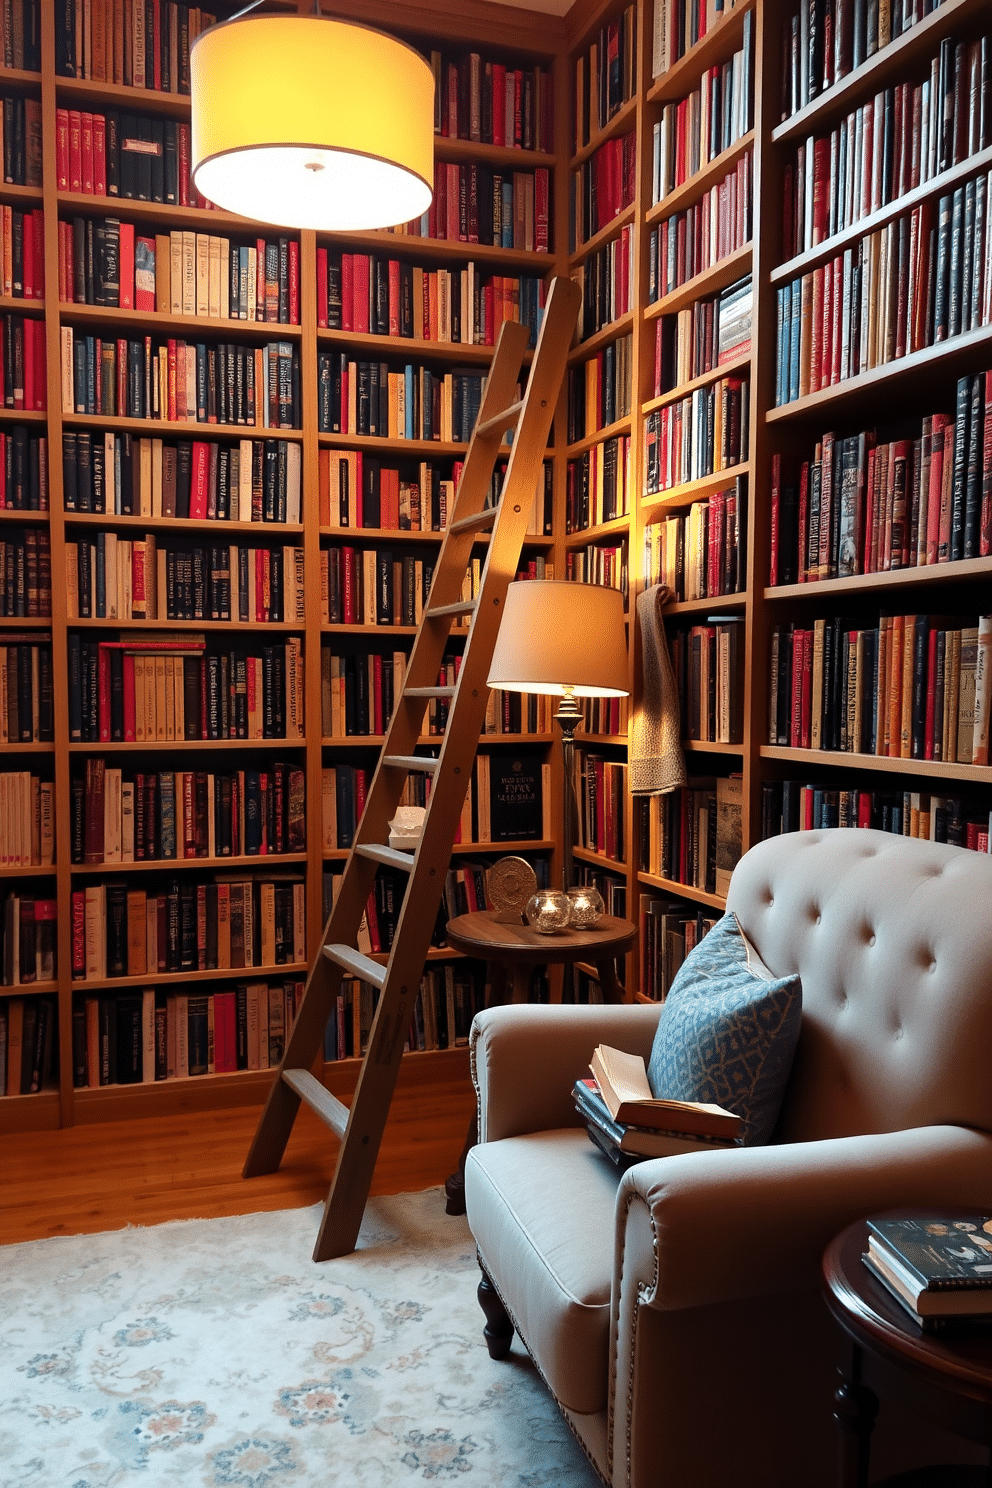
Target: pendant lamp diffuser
x,y
307,122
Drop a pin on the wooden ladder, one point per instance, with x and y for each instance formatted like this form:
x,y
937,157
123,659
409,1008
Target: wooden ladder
x,y
360,1127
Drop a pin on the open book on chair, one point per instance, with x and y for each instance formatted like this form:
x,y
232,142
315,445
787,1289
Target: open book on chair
x,y
623,1083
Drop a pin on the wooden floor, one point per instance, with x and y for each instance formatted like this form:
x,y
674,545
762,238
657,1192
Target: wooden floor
x,y
102,1177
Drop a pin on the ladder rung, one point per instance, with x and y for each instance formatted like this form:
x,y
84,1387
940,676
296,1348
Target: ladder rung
x,y
429,692
462,607
356,963
327,1106
505,419
477,523
425,763
391,856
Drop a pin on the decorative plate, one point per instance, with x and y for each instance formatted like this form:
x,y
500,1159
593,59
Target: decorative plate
x,y
511,883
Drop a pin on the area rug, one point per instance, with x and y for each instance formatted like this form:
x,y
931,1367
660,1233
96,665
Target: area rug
x,y
215,1352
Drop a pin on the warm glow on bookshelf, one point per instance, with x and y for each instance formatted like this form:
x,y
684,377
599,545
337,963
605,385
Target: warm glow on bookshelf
x,y
306,122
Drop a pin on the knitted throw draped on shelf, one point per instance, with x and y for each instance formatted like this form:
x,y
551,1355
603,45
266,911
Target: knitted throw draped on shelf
x,y
656,760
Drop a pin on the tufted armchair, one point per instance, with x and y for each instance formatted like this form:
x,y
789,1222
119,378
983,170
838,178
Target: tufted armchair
x,y
675,1312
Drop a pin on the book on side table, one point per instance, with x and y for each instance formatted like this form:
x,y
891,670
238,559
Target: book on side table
x,y
939,1268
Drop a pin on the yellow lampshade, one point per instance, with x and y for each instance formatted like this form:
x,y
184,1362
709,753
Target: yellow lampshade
x,y
307,122
556,635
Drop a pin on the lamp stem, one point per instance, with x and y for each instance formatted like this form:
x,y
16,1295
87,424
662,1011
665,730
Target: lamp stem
x,y
569,715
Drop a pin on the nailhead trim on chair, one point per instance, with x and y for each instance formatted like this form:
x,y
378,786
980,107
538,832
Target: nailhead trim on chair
x,y
641,1291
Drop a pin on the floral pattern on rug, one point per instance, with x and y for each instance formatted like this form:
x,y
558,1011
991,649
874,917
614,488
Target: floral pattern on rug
x,y
216,1354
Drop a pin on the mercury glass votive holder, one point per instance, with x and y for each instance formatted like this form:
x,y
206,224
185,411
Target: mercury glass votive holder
x,y
548,910
585,906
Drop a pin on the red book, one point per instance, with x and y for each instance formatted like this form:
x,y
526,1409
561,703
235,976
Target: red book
x,y
199,481
361,781
802,517
348,588
127,672
62,149
806,716
816,331
99,155
347,304
126,300
985,516
499,103
826,341
542,198
322,287
796,712
837,307
172,411
103,692
86,152
75,150
155,49
294,281
182,158
27,257
360,291
377,721
38,238
394,297
78,934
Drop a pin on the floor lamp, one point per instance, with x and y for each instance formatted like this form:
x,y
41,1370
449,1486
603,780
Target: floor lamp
x,y
565,640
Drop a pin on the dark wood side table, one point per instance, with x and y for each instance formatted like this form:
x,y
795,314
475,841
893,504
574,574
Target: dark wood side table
x,y
946,1377
512,951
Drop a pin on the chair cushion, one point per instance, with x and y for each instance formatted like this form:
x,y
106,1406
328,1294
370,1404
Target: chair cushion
x,y
541,1210
728,1031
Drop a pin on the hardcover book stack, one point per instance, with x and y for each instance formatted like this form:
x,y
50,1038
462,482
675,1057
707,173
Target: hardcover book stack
x,y
627,1122
938,1267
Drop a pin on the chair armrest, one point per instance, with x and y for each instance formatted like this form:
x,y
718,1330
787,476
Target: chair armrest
x,y
526,1058
717,1226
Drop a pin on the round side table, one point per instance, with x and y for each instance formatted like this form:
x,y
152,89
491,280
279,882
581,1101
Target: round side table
x,y
947,1377
512,951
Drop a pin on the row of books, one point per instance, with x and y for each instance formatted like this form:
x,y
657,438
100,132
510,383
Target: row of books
x,y
692,835
370,294
132,44
600,563
606,716
699,127
601,797
824,42
22,253
799,805
938,1267
597,484
708,664
677,28
599,389
447,999
30,941
602,187
107,579
104,261
181,381
23,378
861,506
21,35
508,800
25,573
473,204
132,156
373,586
253,480
903,136
358,690
922,279
667,931
605,76
371,398
20,140
27,821
691,241
146,1036
700,553
705,335
26,715
225,923
140,690
912,687
480,98
28,1044
606,277
697,436
23,470
127,816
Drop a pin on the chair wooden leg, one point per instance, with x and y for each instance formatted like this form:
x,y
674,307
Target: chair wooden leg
x,y
498,1331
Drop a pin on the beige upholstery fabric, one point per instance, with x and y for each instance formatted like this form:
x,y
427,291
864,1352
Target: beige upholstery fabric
x,y
720,1362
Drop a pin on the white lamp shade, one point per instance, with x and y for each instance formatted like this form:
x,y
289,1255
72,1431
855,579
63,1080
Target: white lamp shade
x,y
306,122
555,635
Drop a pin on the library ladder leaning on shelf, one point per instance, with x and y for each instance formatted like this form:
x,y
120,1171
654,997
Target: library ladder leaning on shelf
x,y
361,1127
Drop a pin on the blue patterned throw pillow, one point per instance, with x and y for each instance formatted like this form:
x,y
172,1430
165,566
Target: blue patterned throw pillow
x,y
728,1031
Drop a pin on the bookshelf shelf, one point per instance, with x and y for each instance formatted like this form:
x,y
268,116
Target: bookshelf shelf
x,y
715,46
153,865
447,148
86,93
176,978
937,186
170,428
692,190
408,346
399,447
886,764
734,368
160,324
620,124
212,527
15,514
600,860
681,890
38,1112
618,527
690,491
23,415
603,337
31,989
183,746
722,602
18,77
706,746
929,574
29,196
893,63
223,627
440,251
199,219
29,870
604,235
599,436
